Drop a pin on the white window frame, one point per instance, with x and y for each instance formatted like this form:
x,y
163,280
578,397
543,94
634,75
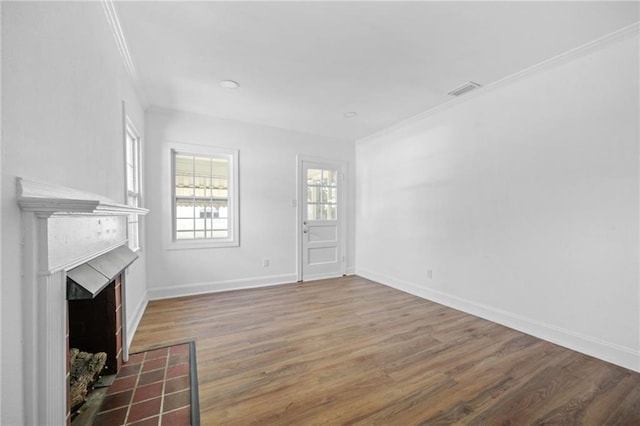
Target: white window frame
x,y
130,131
169,196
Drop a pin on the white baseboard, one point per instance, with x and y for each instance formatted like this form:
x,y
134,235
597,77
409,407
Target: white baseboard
x,y
615,354
218,286
134,321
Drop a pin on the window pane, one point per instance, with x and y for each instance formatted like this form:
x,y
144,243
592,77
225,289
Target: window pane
x,y
220,224
184,164
184,224
184,235
184,179
331,195
202,176
220,193
130,178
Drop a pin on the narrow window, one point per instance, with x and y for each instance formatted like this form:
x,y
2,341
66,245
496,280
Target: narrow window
x,y
134,198
204,197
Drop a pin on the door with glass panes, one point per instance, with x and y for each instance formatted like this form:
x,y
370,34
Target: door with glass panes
x,y
321,233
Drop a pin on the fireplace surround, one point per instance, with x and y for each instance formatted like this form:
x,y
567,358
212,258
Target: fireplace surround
x,y
62,229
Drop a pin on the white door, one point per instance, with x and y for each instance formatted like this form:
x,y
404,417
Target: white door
x,y
321,220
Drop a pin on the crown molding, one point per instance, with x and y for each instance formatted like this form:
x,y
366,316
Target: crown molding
x,y
49,200
123,48
582,50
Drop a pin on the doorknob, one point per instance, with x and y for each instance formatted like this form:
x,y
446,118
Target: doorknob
x,y
305,230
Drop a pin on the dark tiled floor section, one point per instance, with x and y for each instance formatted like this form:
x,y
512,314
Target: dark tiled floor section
x,y
152,388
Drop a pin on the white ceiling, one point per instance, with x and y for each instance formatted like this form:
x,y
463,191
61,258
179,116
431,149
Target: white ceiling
x,y
302,65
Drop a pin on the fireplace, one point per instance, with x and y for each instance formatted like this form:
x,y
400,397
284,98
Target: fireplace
x,y
71,239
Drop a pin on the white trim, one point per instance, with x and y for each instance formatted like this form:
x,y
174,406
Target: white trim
x,y
129,129
168,196
564,57
193,289
47,199
607,351
123,48
321,277
134,321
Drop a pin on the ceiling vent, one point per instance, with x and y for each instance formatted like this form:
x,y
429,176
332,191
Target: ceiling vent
x,y
465,88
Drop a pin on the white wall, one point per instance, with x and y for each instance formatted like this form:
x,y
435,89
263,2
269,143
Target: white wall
x,y
1,155
62,87
267,219
522,200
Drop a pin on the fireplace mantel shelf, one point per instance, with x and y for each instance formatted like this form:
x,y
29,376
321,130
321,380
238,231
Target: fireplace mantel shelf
x,y
45,198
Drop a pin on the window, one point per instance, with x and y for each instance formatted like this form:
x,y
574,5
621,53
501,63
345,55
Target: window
x,y
204,199
132,170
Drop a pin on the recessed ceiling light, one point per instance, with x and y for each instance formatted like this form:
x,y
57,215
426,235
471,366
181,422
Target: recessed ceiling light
x,y
350,114
229,84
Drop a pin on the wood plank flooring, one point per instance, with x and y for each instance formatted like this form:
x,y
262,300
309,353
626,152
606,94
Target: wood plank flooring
x,y
352,351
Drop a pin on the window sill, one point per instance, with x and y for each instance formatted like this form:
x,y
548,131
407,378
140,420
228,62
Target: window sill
x,y
200,244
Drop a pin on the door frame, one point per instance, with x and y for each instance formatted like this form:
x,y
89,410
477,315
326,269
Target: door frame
x,y
342,208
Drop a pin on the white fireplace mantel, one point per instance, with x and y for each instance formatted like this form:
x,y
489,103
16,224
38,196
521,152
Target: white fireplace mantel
x,y
62,228
47,199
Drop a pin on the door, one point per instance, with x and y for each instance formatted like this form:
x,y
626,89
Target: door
x,y
321,216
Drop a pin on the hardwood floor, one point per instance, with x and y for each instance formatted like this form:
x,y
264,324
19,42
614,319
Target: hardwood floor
x,y
351,351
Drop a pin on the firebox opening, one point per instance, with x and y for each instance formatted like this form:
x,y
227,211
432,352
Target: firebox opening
x,y
93,325
95,329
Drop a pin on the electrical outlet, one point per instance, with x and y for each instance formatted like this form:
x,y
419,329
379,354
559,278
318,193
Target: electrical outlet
x,y
265,263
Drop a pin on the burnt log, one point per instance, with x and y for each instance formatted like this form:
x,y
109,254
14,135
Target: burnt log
x,y
85,369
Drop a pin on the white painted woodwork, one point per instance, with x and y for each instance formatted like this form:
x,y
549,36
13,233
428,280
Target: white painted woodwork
x,y
62,229
321,240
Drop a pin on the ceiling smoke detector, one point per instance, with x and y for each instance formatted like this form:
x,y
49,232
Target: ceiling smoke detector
x,y
465,88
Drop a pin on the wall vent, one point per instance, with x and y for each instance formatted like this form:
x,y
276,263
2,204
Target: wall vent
x,y
465,88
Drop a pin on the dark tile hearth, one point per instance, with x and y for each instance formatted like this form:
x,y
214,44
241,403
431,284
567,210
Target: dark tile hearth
x,y
157,387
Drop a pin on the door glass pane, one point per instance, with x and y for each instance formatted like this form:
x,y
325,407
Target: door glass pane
x,y
330,212
330,177
316,194
314,177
